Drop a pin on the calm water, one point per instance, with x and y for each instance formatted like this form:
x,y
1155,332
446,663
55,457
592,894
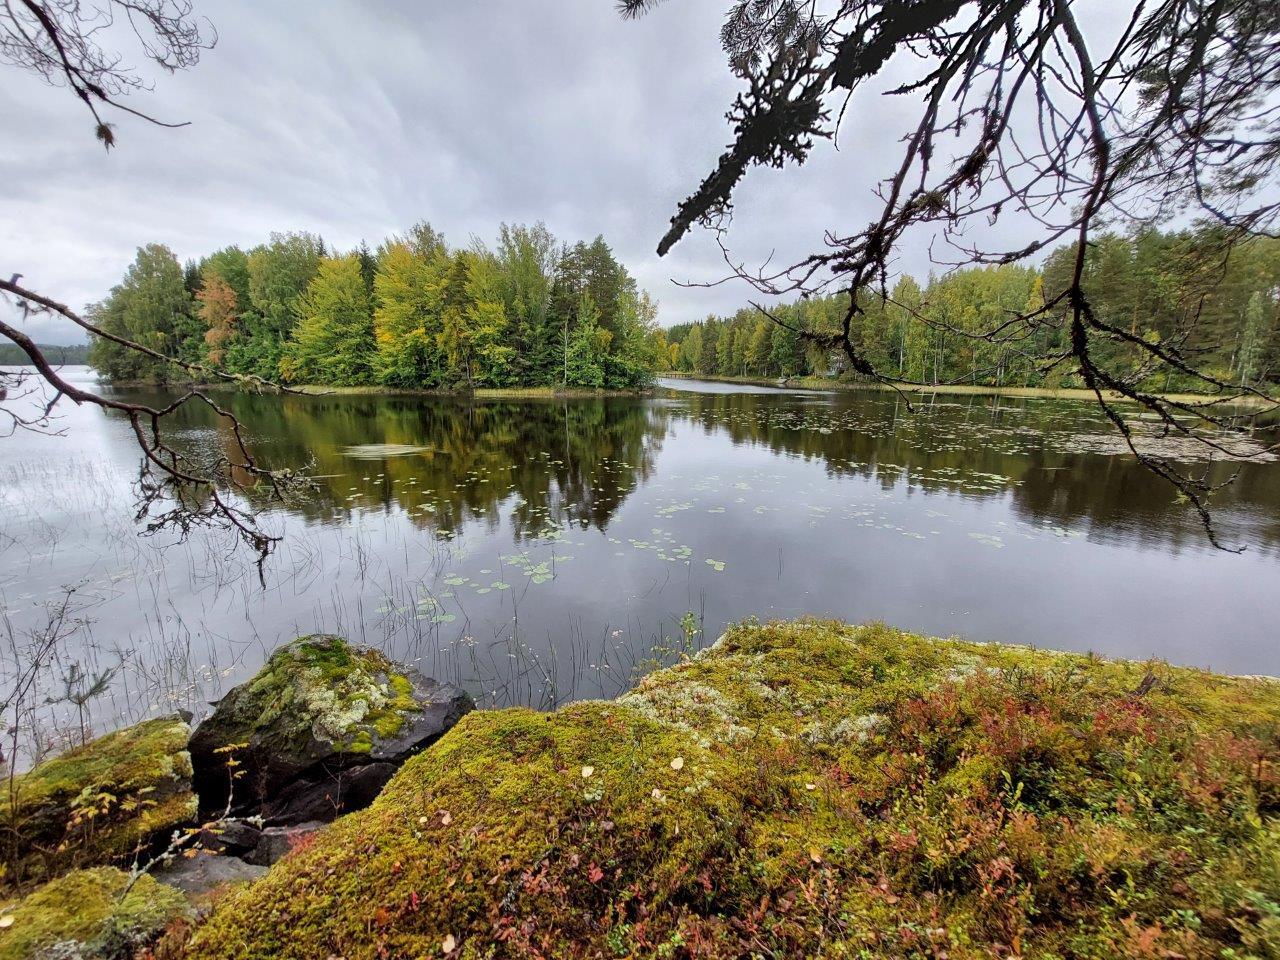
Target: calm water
x,y
535,551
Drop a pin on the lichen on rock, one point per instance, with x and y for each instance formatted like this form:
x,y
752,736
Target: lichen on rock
x,y
89,915
101,802
813,789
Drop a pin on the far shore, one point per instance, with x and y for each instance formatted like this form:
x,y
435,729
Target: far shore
x,y
377,390
1066,393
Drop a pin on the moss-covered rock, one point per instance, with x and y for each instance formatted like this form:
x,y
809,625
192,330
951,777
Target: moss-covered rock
x,y
813,789
99,803
89,915
322,726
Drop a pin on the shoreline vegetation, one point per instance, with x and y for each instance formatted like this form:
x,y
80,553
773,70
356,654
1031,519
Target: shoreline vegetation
x,y
533,313
836,384
554,392
799,788
1174,291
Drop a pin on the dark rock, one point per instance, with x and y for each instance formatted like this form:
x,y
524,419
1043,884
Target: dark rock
x,y
324,795
231,837
278,841
205,873
317,710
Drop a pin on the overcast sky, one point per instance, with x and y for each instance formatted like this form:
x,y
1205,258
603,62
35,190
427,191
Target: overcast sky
x,y
354,120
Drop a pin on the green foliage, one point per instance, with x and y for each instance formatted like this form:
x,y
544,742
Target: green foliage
x,y
422,316
586,350
278,275
333,341
151,306
408,290
814,789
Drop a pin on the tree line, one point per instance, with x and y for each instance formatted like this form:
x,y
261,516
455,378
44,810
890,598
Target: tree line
x,y
413,313
57,354
1221,312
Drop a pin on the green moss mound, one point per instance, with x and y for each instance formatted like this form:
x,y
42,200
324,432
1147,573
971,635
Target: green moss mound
x,y
814,789
101,802
89,915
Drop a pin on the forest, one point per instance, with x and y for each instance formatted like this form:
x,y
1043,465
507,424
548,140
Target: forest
x,y
58,354
1171,288
412,314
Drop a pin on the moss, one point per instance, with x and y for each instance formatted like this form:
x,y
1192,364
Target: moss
x,y
812,788
98,803
89,914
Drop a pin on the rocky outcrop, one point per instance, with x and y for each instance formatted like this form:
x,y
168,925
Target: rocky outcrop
x,y
93,914
318,731
812,789
100,803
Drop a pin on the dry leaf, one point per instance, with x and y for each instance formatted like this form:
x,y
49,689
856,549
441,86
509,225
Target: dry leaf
x,y
677,763
811,786
448,944
6,921
446,817
587,772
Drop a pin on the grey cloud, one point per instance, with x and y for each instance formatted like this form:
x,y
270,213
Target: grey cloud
x,y
356,120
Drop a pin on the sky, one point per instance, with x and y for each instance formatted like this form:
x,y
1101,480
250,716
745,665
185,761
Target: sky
x,y
359,119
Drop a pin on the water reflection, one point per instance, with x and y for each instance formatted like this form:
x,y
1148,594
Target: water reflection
x,y
453,462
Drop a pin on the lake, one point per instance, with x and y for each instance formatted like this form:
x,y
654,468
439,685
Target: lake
x,y
537,551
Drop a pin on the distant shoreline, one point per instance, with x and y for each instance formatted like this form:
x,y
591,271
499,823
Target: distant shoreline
x,y
1066,393
377,390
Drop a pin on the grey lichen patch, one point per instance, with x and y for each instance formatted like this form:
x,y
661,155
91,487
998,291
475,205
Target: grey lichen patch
x,y
841,731
690,706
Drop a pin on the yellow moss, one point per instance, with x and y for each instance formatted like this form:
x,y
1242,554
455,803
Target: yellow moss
x,y
92,910
811,788
96,803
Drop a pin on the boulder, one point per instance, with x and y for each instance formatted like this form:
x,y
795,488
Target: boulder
x,y
233,837
102,802
89,915
318,731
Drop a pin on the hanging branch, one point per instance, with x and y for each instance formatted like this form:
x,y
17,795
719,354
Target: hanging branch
x,y
178,491
1178,117
58,40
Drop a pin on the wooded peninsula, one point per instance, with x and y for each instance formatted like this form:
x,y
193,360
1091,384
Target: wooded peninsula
x,y
414,314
